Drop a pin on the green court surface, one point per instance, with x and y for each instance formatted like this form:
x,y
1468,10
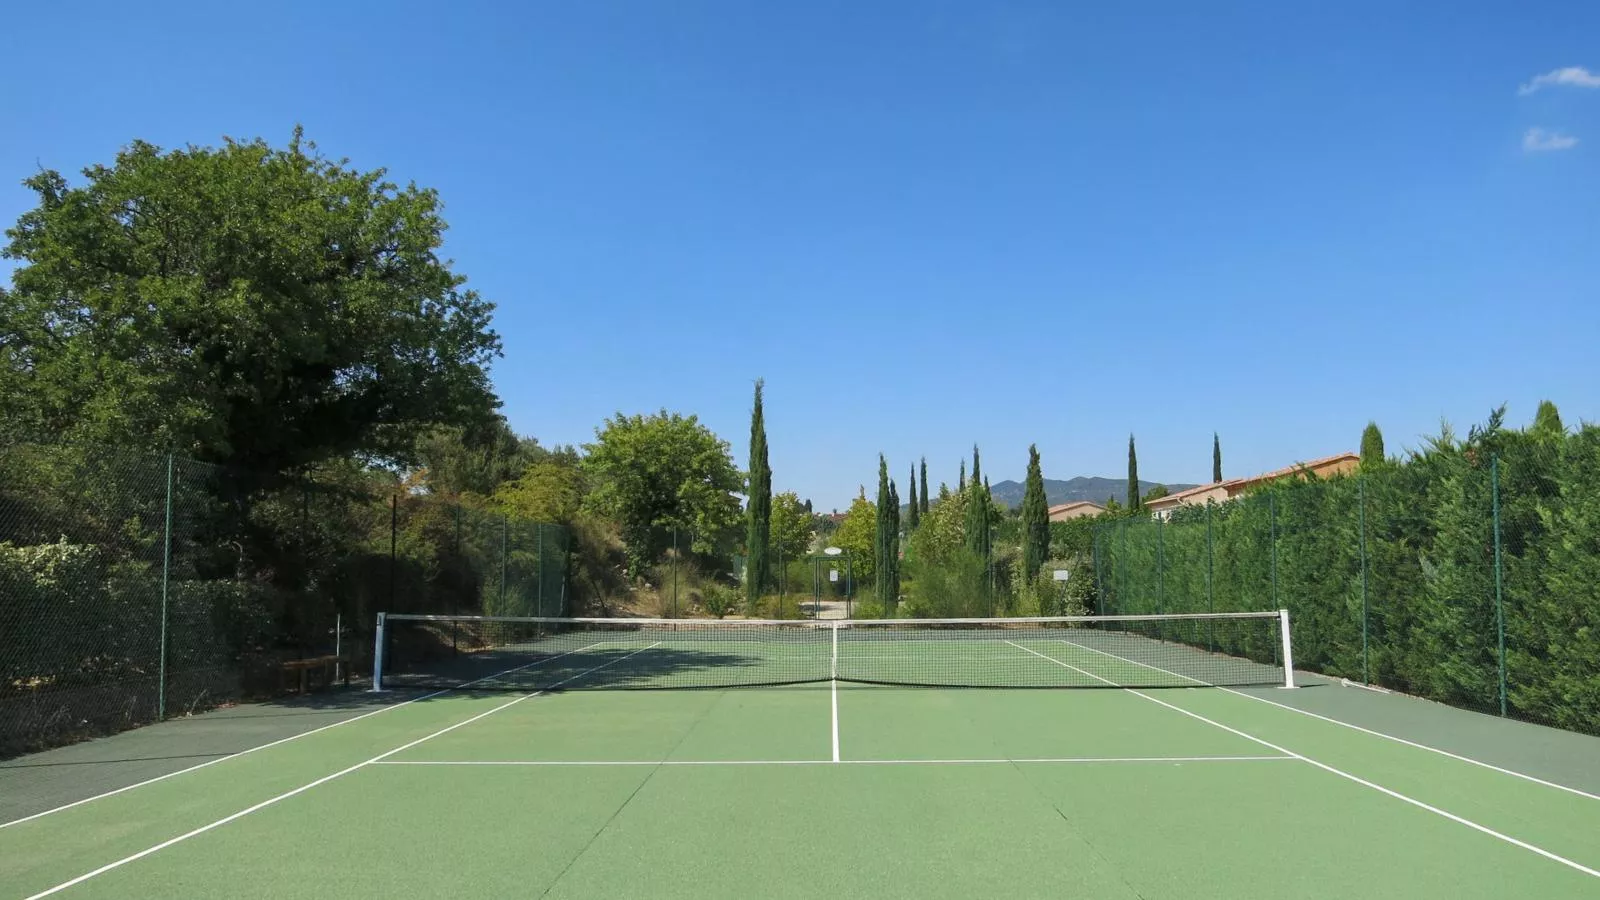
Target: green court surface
x,y
829,790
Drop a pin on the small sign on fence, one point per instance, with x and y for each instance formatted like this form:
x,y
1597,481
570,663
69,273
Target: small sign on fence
x,y
1062,574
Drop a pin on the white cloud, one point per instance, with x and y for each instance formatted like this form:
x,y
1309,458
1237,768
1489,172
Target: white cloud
x,y
1537,140
1571,76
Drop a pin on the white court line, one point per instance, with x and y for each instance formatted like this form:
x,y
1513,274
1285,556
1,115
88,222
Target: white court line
x,y
1339,772
833,684
1388,737
292,737
309,785
825,762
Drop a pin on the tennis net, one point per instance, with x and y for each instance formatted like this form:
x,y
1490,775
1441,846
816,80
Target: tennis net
x,y
539,654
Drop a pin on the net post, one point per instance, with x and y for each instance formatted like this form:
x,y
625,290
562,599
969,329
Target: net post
x,y
833,665
1288,648
377,654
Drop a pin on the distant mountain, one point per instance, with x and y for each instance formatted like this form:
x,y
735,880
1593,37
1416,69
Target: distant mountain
x,y
1095,490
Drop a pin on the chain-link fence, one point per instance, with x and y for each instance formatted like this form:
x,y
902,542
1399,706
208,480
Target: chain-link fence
x,y
135,587
1468,574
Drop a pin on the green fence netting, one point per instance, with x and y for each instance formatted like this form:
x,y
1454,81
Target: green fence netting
x,y
1468,574
135,586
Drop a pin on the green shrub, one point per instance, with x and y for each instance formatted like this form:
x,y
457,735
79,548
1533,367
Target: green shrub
x,y
718,599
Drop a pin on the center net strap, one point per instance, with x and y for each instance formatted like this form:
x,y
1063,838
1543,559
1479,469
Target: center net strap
x,y
518,653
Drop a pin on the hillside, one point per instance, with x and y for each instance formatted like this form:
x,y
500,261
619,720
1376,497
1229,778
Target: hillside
x,y
1009,493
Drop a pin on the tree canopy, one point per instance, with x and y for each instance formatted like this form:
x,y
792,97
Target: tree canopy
x,y
792,526
659,472
268,308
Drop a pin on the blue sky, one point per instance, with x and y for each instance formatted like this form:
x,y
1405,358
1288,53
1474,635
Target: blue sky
x,y
928,224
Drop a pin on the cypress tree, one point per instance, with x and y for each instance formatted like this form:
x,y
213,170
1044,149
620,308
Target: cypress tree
x,y
1035,519
924,485
914,512
1134,500
976,471
1547,421
758,507
961,480
1216,458
1371,445
882,545
893,598
976,526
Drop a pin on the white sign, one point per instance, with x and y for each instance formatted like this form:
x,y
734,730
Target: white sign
x,y
1061,574
833,574
832,551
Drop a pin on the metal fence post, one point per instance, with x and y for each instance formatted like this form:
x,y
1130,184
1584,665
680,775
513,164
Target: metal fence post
x,y
1211,603
505,522
1499,578
540,590
1098,558
455,627
166,581
1122,580
1366,670
1161,573
1272,514
394,531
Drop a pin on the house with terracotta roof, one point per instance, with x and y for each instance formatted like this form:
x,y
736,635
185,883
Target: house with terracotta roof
x,y
1075,510
1223,491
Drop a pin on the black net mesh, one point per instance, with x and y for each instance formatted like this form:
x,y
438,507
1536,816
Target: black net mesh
x,y
532,654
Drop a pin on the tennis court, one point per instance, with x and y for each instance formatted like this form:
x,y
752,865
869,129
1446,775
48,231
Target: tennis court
x,y
569,758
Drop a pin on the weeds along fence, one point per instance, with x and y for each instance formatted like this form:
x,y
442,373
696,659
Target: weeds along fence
x,y
135,587
1467,574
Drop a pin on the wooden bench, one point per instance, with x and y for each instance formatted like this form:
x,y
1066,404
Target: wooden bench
x,y
297,673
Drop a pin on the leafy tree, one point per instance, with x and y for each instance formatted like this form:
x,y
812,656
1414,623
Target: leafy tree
x,y
792,526
454,460
1371,445
1216,459
924,486
944,492
758,508
857,534
1035,519
267,308
1156,493
1133,477
914,513
663,471
548,491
